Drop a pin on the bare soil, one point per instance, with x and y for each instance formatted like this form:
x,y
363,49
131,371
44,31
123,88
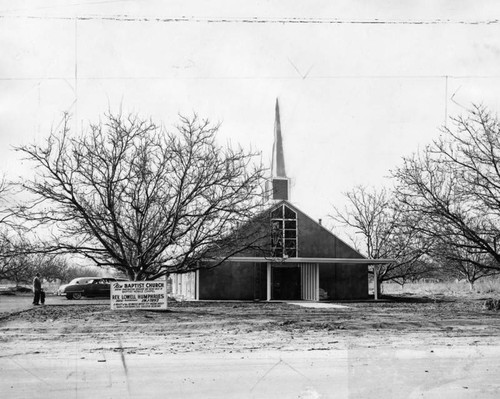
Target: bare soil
x,y
217,327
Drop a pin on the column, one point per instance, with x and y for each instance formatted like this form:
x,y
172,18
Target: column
x,y
268,280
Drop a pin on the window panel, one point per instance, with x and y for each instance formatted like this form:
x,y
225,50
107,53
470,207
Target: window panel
x,y
277,224
291,252
277,213
278,253
290,224
277,241
289,214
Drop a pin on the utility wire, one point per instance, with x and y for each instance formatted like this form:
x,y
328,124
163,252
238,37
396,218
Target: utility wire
x,y
309,77
257,20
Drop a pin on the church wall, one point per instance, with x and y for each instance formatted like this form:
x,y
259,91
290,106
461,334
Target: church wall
x,y
233,281
344,281
340,281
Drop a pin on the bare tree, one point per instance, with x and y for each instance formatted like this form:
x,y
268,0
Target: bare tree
x,y
421,268
464,263
70,272
13,244
13,251
130,195
387,231
453,185
20,262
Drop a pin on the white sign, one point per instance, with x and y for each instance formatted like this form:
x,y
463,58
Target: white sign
x,y
138,295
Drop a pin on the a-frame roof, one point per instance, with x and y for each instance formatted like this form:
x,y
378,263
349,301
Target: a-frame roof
x,y
315,228
335,250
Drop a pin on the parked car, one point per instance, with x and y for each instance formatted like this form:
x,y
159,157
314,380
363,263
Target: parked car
x,y
78,280
96,287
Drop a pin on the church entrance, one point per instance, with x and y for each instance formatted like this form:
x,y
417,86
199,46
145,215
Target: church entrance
x,y
286,283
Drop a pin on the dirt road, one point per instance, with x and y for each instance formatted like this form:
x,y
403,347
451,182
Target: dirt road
x,y
458,372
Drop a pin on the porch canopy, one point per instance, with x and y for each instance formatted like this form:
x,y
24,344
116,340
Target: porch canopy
x,y
357,261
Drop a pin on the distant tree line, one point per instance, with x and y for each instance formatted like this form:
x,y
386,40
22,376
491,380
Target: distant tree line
x,y
442,216
20,268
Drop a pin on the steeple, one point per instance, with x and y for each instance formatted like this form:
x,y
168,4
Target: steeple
x,y
280,183
278,165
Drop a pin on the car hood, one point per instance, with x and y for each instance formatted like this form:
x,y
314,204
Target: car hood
x,y
62,287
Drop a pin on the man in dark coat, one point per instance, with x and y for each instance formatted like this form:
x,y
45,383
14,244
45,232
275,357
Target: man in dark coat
x,y
37,289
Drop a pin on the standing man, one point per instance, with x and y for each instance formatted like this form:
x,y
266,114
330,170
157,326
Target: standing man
x,y
37,288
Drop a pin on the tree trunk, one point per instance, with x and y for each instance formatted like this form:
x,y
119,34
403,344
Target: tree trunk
x,y
379,287
131,275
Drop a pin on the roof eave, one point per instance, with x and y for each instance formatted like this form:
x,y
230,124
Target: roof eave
x,y
260,259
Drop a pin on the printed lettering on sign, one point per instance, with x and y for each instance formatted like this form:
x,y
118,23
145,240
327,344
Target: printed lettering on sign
x,y
139,295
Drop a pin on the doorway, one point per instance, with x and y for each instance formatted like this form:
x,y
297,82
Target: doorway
x,y
286,283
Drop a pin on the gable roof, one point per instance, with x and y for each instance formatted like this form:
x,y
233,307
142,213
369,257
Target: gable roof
x,y
335,240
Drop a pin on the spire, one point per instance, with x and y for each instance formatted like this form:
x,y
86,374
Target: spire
x,y
278,163
280,183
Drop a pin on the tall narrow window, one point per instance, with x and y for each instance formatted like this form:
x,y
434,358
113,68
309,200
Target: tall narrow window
x,y
284,232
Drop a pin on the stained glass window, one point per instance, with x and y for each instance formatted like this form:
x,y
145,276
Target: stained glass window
x,y
284,232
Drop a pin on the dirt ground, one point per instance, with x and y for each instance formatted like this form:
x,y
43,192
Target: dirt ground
x,y
252,326
457,328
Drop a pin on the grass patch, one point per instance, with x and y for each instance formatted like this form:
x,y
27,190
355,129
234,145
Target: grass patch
x,y
489,286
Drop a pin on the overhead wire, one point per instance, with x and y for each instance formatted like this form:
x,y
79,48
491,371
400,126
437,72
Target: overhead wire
x,y
256,20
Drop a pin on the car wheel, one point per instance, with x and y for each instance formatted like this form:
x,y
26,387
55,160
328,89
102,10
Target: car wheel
x,y
77,295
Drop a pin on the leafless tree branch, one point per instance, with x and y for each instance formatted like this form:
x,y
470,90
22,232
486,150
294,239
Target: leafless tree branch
x,y
130,195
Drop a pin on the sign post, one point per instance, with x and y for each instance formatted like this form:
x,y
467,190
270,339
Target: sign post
x,y
139,295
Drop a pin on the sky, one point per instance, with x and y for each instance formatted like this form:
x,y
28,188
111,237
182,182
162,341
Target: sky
x,y
360,83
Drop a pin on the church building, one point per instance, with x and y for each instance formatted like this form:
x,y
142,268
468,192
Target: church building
x,y
305,261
